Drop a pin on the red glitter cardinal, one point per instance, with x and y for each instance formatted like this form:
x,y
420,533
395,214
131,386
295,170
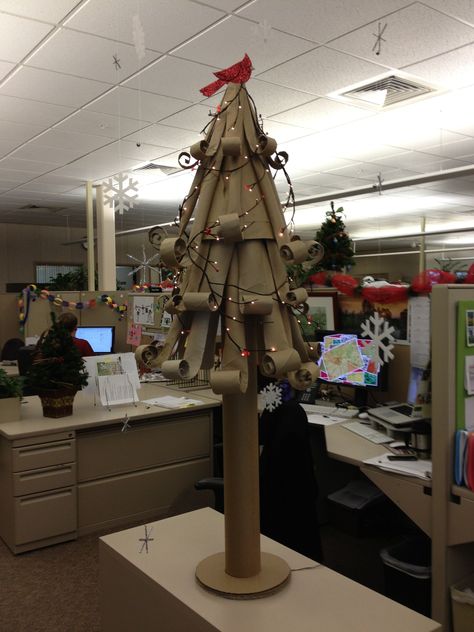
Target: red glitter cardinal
x,y
238,73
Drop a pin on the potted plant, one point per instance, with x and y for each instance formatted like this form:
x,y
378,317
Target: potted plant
x,y
10,397
57,372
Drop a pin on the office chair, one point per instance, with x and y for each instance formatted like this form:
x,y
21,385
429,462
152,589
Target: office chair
x,y
10,349
288,488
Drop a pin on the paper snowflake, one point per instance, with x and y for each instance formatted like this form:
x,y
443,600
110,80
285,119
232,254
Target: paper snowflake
x,y
144,264
138,36
270,397
122,190
380,331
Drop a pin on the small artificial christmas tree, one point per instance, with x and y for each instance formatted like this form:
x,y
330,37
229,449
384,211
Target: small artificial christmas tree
x,y
338,251
58,367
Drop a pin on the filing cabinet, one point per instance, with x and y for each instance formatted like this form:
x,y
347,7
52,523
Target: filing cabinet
x,y
38,491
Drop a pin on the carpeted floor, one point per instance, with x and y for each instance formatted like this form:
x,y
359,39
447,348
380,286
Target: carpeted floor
x,y
54,589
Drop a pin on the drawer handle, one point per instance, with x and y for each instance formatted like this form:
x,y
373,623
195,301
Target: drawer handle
x,y
44,473
39,499
49,448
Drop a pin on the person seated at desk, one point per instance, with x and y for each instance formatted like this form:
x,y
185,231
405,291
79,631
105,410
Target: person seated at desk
x,y
69,322
288,488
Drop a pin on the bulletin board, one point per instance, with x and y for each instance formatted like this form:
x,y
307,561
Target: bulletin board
x,y
147,319
465,366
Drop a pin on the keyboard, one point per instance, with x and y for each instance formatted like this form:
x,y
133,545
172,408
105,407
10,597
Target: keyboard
x,y
367,432
330,411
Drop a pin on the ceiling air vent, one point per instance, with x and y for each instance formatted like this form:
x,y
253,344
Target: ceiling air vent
x,y
151,166
386,91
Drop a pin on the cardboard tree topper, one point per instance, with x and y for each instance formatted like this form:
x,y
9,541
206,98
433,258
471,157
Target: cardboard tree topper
x,y
231,266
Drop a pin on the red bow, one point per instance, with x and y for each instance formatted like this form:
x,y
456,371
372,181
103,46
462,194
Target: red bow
x,y
238,73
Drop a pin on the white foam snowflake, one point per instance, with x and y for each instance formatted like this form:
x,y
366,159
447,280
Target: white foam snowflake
x,y
138,36
122,190
270,397
380,331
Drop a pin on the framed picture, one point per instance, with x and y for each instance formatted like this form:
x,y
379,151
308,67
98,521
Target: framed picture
x,y
470,327
322,313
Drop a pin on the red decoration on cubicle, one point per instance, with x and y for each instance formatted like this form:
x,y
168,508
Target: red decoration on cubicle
x,y
386,294
345,283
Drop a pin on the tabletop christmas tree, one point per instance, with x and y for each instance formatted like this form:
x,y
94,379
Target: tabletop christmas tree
x,y
230,268
338,250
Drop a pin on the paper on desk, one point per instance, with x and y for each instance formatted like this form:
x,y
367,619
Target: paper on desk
x,y
420,469
419,331
116,389
323,420
168,401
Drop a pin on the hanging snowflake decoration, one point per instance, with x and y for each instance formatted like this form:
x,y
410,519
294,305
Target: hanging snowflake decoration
x,y
144,264
138,36
270,397
262,30
122,190
380,331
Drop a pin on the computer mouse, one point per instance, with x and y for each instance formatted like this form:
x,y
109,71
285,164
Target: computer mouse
x,y
363,416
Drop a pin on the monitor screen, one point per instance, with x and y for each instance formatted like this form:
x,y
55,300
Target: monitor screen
x,y
101,339
349,360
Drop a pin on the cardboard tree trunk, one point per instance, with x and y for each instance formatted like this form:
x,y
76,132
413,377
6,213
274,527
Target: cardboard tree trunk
x,y
231,270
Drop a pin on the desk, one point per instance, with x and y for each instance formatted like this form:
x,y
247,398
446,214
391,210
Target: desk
x,y
60,478
411,494
10,369
157,590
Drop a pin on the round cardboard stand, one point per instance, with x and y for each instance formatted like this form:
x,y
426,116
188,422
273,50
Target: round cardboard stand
x,y
273,575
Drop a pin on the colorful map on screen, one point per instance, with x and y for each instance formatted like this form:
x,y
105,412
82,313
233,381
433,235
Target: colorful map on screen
x,y
347,359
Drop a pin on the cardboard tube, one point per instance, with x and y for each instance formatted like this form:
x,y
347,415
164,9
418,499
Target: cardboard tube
x,y
241,475
175,369
231,146
225,382
198,150
267,145
172,251
296,297
300,251
314,350
146,355
279,363
256,305
303,377
199,302
229,227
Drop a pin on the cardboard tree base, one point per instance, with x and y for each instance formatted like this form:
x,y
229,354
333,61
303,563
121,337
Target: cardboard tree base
x,y
273,575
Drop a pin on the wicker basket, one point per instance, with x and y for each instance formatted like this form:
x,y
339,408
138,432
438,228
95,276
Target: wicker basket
x,y
58,402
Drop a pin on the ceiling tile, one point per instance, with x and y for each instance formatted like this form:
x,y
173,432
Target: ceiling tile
x,y
47,10
31,166
12,175
166,23
284,133
173,77
137,104
98,165
35,112
91,57
321,71
36,150
5,67
52,87
226,5
18,132
271,99
459,9
139,151
453,150
227,42
412,34
85,121
12,46
83,143
164,136
322,114
193,118
451,70
319,21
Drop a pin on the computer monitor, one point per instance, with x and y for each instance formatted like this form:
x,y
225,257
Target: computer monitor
x,y
350,360
101,339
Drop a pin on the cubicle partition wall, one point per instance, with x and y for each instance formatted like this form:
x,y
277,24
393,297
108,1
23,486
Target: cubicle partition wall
x,y
9,324
39,318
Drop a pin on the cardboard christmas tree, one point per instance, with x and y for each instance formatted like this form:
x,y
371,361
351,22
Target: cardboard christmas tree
x,y
231,282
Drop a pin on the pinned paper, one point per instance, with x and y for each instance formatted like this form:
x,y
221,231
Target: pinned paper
x,y
143,310
134,334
